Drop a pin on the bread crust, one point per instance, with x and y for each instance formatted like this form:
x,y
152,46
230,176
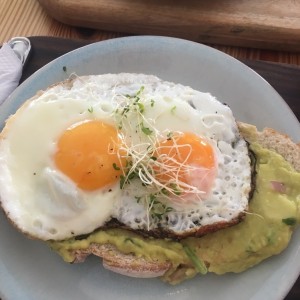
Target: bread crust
x,y
273,140
132,266
125,264
129,264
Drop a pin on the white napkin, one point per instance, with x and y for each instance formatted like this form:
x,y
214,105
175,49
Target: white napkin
x,y
10,71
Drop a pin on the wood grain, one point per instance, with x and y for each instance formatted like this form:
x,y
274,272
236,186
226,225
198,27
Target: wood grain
x,y
268,24
28,18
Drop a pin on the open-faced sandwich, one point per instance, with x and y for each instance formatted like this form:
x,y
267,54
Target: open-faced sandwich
x,y
156,178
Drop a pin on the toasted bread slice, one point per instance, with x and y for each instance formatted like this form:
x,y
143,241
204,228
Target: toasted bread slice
x,y
273,140
130,265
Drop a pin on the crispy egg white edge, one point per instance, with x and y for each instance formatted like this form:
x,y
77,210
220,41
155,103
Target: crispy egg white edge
x,y
83,86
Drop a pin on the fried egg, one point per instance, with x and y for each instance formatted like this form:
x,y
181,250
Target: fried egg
x,y
151,154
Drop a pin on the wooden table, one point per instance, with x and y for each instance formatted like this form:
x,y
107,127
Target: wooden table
x,y
27,18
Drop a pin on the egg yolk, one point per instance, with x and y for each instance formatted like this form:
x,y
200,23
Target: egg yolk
x,y
186,158
88,154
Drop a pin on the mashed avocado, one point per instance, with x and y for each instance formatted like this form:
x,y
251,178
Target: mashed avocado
x,y
265,231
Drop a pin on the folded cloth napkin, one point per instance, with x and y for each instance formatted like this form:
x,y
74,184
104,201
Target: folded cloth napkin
x,y
10,71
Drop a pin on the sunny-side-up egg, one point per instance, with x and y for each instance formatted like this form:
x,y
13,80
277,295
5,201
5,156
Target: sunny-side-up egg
x,y
127,147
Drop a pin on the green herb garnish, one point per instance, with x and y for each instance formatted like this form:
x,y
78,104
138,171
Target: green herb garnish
x,y
145,130
116,167
198,263
157,208
173,109
175,189
141,107
169,135
122,181
140,90
138,199
289,221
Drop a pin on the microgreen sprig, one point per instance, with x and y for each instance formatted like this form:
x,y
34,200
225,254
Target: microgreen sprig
x,y
145,162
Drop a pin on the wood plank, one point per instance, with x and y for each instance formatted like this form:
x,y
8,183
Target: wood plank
x,y
28,18
272,24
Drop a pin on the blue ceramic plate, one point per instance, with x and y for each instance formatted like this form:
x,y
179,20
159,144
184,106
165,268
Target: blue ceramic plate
x,y
29,270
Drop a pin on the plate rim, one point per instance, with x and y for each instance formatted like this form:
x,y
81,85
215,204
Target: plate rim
x,y
121,39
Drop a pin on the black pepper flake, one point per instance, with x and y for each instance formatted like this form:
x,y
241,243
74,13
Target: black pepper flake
x,y
110,190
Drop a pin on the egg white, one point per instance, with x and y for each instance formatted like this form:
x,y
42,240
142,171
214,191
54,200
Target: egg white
x,y
45,204
41,200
